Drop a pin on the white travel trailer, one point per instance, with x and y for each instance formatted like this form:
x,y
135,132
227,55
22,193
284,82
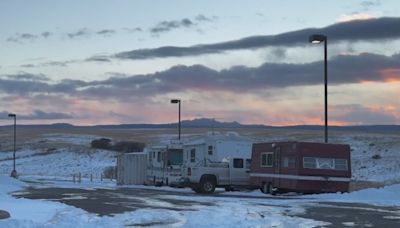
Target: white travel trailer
x,y
164,163
216,161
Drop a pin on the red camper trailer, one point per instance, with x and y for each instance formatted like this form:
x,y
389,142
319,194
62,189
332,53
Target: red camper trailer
x,y
301,167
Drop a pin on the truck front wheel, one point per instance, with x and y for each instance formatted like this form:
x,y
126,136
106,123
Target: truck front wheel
x,y
196,188
207,186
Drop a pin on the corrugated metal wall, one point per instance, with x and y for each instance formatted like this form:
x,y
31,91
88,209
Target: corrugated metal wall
x,y
131,168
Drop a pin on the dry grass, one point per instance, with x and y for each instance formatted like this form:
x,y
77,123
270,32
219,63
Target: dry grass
x,y
26,136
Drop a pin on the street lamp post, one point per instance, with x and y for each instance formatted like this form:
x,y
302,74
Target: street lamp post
x,y
14,172
318,38
178,101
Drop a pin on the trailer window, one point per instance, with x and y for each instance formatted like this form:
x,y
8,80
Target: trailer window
x,y
341,164
324,163
309,163
289,162
238,163
210,150
267,159
193,155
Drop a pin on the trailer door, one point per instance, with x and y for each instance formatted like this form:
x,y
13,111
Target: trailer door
x,y
277,166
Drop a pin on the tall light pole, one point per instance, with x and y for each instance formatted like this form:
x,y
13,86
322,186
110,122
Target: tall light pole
x,y
318,38
178,101
14,172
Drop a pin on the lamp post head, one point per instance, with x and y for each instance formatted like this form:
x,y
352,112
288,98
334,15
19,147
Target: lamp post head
x,y
12,115
317,38
175,101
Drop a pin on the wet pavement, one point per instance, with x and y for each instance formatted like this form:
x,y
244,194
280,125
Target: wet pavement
x,y
114,201
111,201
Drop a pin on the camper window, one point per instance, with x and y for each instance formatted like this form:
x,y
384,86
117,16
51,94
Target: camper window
x,y
210,150
175,156
289,162
193,155
266,159
248,163
158,156
238,163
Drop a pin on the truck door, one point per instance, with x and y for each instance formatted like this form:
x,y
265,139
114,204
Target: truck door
x,y
239,171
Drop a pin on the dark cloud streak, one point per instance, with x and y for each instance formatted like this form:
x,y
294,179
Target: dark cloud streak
x,y
166,26
359,30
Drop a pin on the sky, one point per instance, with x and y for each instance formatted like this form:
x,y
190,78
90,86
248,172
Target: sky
x,y
113,62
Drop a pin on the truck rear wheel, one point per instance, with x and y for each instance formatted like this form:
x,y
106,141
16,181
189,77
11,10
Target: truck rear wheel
x,y
207,186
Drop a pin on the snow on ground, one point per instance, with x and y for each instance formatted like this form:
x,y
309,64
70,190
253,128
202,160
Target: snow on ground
x,y
375,157
62,162
388,196
227,213
233,211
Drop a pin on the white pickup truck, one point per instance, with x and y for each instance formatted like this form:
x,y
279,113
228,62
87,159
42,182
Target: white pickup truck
x,y
216,161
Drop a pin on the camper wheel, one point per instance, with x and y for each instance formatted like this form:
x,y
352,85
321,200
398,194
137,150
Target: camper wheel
x,y
267,188
207,184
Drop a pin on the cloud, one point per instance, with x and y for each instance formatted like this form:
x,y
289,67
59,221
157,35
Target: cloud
x,y
357,16
39,115
201,17
98,58
22,37
342,69
366,4
106,32
27,84
358,114
28,77
28,65
46,34
83,32
131,30
357,30
166,26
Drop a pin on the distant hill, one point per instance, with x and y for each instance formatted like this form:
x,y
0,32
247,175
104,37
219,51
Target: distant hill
x,y
364,128
210,123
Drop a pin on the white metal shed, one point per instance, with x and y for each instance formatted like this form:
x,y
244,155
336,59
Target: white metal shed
x,y
131,168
